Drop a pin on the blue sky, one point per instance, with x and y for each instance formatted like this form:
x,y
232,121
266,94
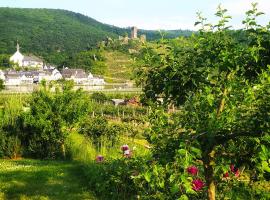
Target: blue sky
x,y
149,14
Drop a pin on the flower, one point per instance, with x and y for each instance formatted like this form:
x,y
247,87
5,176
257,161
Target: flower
x,y
99,158
237,173
125,147
197,184
226,175
192,170
235,170
127,153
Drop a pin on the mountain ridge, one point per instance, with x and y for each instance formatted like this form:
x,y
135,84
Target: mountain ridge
x,y
46,32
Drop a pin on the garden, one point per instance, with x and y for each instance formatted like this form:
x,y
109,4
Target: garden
x,y
200,130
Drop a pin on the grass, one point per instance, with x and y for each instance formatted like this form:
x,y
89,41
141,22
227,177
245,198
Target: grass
x,y
42,180
83,150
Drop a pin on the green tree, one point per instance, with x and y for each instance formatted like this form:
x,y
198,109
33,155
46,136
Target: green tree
x,y
221,84
51,118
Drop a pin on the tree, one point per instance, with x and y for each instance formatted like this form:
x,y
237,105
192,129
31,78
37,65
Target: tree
x,y
51,118
2,86
222,86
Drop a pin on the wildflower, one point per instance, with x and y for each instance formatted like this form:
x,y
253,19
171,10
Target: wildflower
x,y
127,153
237,173
197,184
235,170
192,170
99,158
124,147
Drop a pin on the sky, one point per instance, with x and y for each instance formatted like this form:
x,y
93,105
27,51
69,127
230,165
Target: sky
x,y
150,14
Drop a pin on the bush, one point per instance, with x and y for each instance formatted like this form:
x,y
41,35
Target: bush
x,y
113,179
9,145
99,97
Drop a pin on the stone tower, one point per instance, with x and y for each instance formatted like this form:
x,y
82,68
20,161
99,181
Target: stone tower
x,y
134,32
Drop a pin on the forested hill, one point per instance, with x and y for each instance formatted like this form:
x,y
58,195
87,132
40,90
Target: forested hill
x,y
44,31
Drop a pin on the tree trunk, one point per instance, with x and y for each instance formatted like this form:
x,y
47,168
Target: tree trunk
x,y
63,148
209,174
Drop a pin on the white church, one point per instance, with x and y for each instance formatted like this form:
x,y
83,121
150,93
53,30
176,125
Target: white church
x,y
26,61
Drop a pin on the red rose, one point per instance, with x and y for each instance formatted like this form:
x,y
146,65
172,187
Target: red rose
x,y
192,170
197,184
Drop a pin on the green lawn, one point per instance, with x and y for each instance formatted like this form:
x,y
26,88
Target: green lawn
x,y
42,180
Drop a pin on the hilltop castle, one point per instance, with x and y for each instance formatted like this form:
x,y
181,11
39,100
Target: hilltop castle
x,y
133,36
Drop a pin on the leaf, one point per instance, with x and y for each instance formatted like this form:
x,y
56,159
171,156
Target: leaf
x,y
182,152
147,176
196,151
175,188
260,13
183,197
265,166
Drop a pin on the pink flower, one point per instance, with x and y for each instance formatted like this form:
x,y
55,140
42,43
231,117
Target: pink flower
x,y
237,173
127,153
235,170
192,170
124,147
197,184
226,175
99,158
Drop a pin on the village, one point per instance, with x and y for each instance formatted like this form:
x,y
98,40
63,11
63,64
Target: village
x,y
34,70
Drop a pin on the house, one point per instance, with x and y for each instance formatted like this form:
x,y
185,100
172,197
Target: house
x,y
79,76
26,61
127,102
13,79
32,61
26,78
117,102
95,80
49,75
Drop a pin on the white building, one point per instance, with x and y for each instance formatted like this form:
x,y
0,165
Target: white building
x,y
26,61
79,76
13,79
96,81
49,75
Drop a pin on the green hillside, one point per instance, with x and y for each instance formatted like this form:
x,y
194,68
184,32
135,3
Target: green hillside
x,y
119,67
47,31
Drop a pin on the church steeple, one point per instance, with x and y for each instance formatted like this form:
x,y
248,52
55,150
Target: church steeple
x,y
18,46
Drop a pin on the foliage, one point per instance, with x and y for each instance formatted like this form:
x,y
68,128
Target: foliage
x,y
51,117
88,60
10,145
4,61
222,86
99,97
111,179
